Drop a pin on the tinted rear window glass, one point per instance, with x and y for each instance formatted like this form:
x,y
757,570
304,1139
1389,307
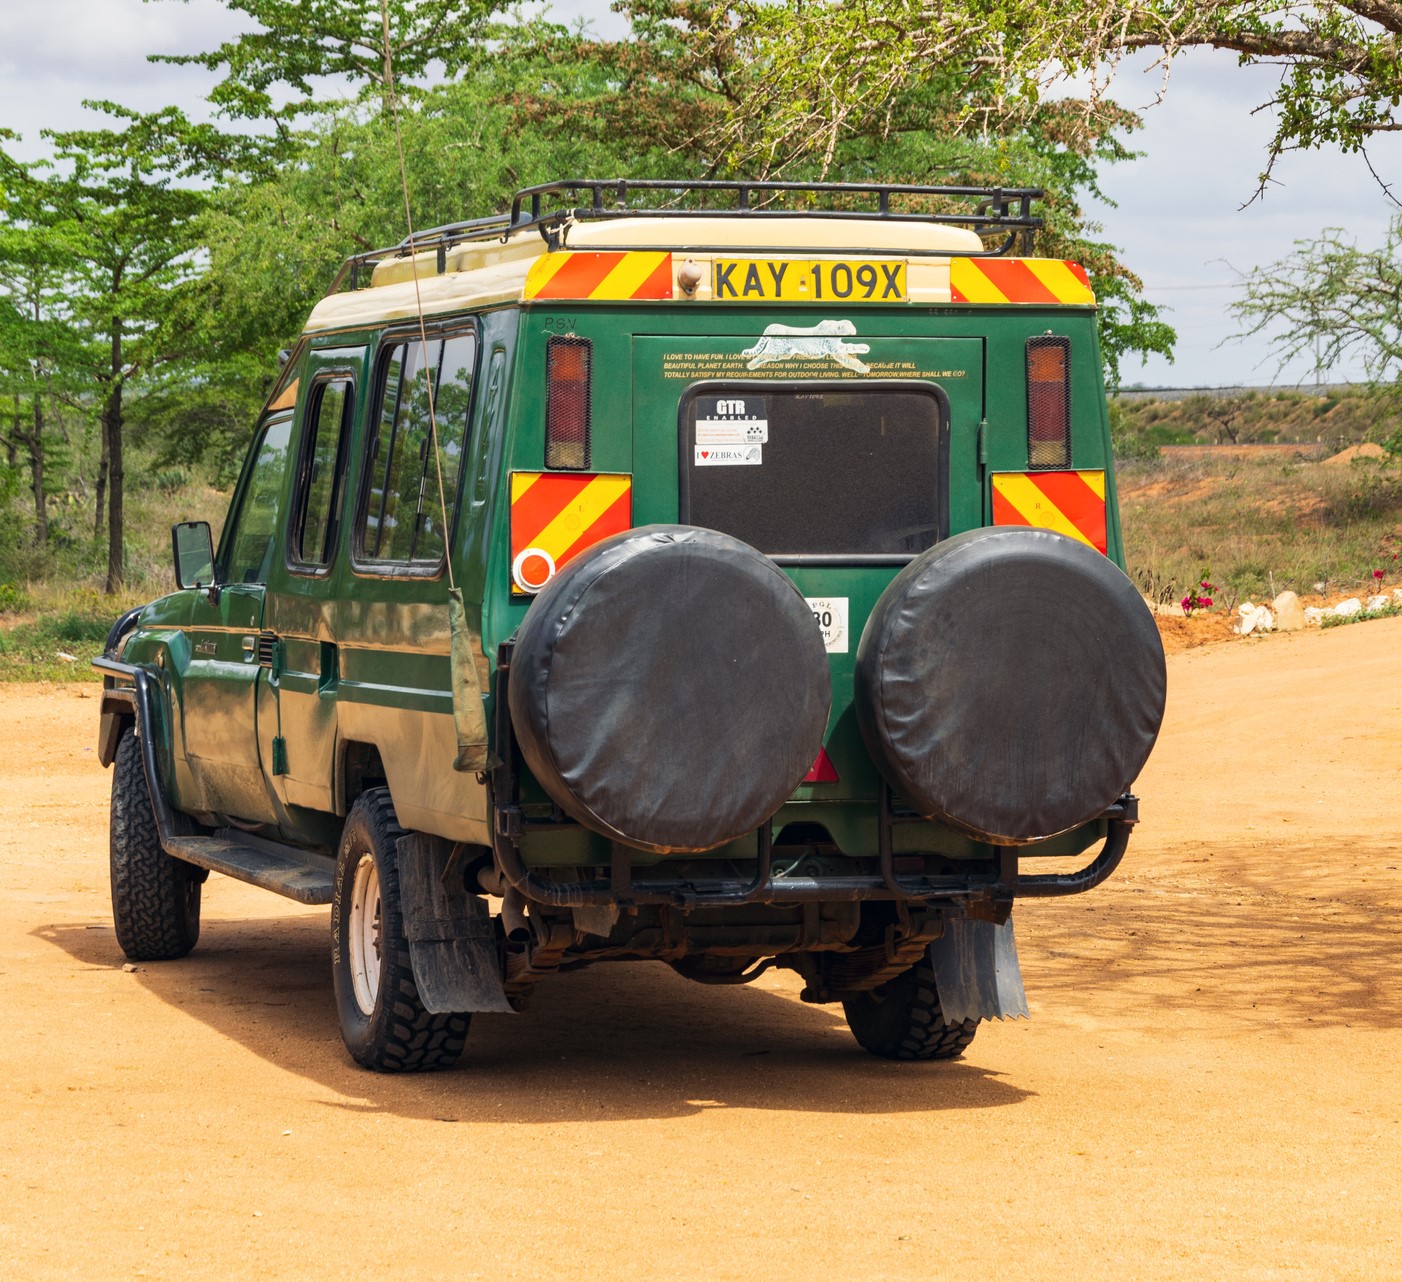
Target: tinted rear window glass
x,y
402,515
805,471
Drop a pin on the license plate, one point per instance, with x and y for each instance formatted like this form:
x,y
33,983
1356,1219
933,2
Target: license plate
x,y
809,280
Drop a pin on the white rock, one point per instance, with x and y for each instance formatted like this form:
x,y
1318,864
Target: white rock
x,y
1379,602
1397,595
1345,608
1313,614
1254,618
1289,614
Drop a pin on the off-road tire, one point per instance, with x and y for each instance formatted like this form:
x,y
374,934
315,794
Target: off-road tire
x,y
903,1019
155,899
397,1035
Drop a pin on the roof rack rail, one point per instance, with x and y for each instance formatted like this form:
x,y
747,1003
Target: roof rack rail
x,y
995,209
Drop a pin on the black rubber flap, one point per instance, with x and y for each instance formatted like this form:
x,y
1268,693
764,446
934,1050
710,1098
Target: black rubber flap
x,y
670,688
1010,683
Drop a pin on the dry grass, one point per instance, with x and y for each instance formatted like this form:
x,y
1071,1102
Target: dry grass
x,y
51,599
1255,523
1259,525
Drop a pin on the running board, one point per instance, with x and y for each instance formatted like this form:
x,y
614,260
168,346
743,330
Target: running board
x,y
298,874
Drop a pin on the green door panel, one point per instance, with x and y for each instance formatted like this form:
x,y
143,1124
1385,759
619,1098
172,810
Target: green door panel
x,y
297,703
400,701
218,691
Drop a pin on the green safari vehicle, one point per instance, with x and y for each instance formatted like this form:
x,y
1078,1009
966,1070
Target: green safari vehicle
x,y
656,571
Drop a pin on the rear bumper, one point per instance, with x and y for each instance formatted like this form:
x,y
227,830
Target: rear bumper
x,y
985,889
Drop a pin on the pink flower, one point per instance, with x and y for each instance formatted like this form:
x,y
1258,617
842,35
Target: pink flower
x,y
1204,603
1377,574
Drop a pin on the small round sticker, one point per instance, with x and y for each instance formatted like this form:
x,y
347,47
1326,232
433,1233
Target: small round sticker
x,y
532,569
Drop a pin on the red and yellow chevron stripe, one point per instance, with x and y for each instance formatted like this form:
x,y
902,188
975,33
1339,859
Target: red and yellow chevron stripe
x,y
1018,280
556,515
609,276
1071,503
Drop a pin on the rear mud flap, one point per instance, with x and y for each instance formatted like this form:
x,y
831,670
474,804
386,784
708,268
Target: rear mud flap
x,y
976,971
452,940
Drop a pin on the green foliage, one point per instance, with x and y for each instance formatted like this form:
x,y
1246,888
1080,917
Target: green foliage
x,y
1343,620
13,600
33,651
1346,417
1125,442
270,73
823,66
813,93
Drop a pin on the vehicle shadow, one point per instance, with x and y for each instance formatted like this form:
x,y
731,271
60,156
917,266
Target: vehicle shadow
x,y
613,1043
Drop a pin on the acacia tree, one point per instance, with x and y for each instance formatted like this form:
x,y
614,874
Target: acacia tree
x,y
117,202
41,353
780,91
1330,301
828,65
35,350
296,45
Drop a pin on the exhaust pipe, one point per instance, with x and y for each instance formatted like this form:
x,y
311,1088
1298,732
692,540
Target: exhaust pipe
x,y
514,920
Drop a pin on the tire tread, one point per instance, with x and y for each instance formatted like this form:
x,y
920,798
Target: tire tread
x,y
403,1037
904,1019
155,898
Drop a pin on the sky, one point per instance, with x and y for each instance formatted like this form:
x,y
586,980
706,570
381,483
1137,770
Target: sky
x,y
1177,215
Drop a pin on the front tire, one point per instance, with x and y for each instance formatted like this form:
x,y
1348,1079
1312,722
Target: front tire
x,y
903,1019
155,899
383,1022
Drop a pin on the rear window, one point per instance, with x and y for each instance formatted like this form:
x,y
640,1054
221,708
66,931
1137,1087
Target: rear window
x,y
817,472
401,517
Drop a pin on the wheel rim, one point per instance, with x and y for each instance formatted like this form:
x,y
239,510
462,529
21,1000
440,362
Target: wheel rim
x,y
364,930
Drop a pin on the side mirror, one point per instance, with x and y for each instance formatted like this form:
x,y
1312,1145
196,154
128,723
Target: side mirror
x,y
194,554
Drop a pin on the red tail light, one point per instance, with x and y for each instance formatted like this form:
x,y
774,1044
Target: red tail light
x,y
1049,402
567,370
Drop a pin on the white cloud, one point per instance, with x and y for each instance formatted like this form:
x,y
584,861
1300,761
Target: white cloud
x,y
55,54
1180,219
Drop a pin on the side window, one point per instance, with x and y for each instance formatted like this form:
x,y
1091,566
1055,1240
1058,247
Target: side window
x,y
250,540
313,533
401,512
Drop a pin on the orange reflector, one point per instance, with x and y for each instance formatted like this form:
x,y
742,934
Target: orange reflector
x,y
823,770
557,515
1071,503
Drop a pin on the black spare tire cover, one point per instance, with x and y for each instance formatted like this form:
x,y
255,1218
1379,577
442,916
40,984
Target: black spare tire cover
x,y
1010,683
669,688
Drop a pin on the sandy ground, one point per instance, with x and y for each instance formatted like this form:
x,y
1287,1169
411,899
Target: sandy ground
x,y
1208,1087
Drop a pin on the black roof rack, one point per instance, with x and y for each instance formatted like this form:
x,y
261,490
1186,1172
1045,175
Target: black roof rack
x,y
548,208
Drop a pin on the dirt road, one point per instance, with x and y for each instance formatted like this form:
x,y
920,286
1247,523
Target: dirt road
x,y
1208,1087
